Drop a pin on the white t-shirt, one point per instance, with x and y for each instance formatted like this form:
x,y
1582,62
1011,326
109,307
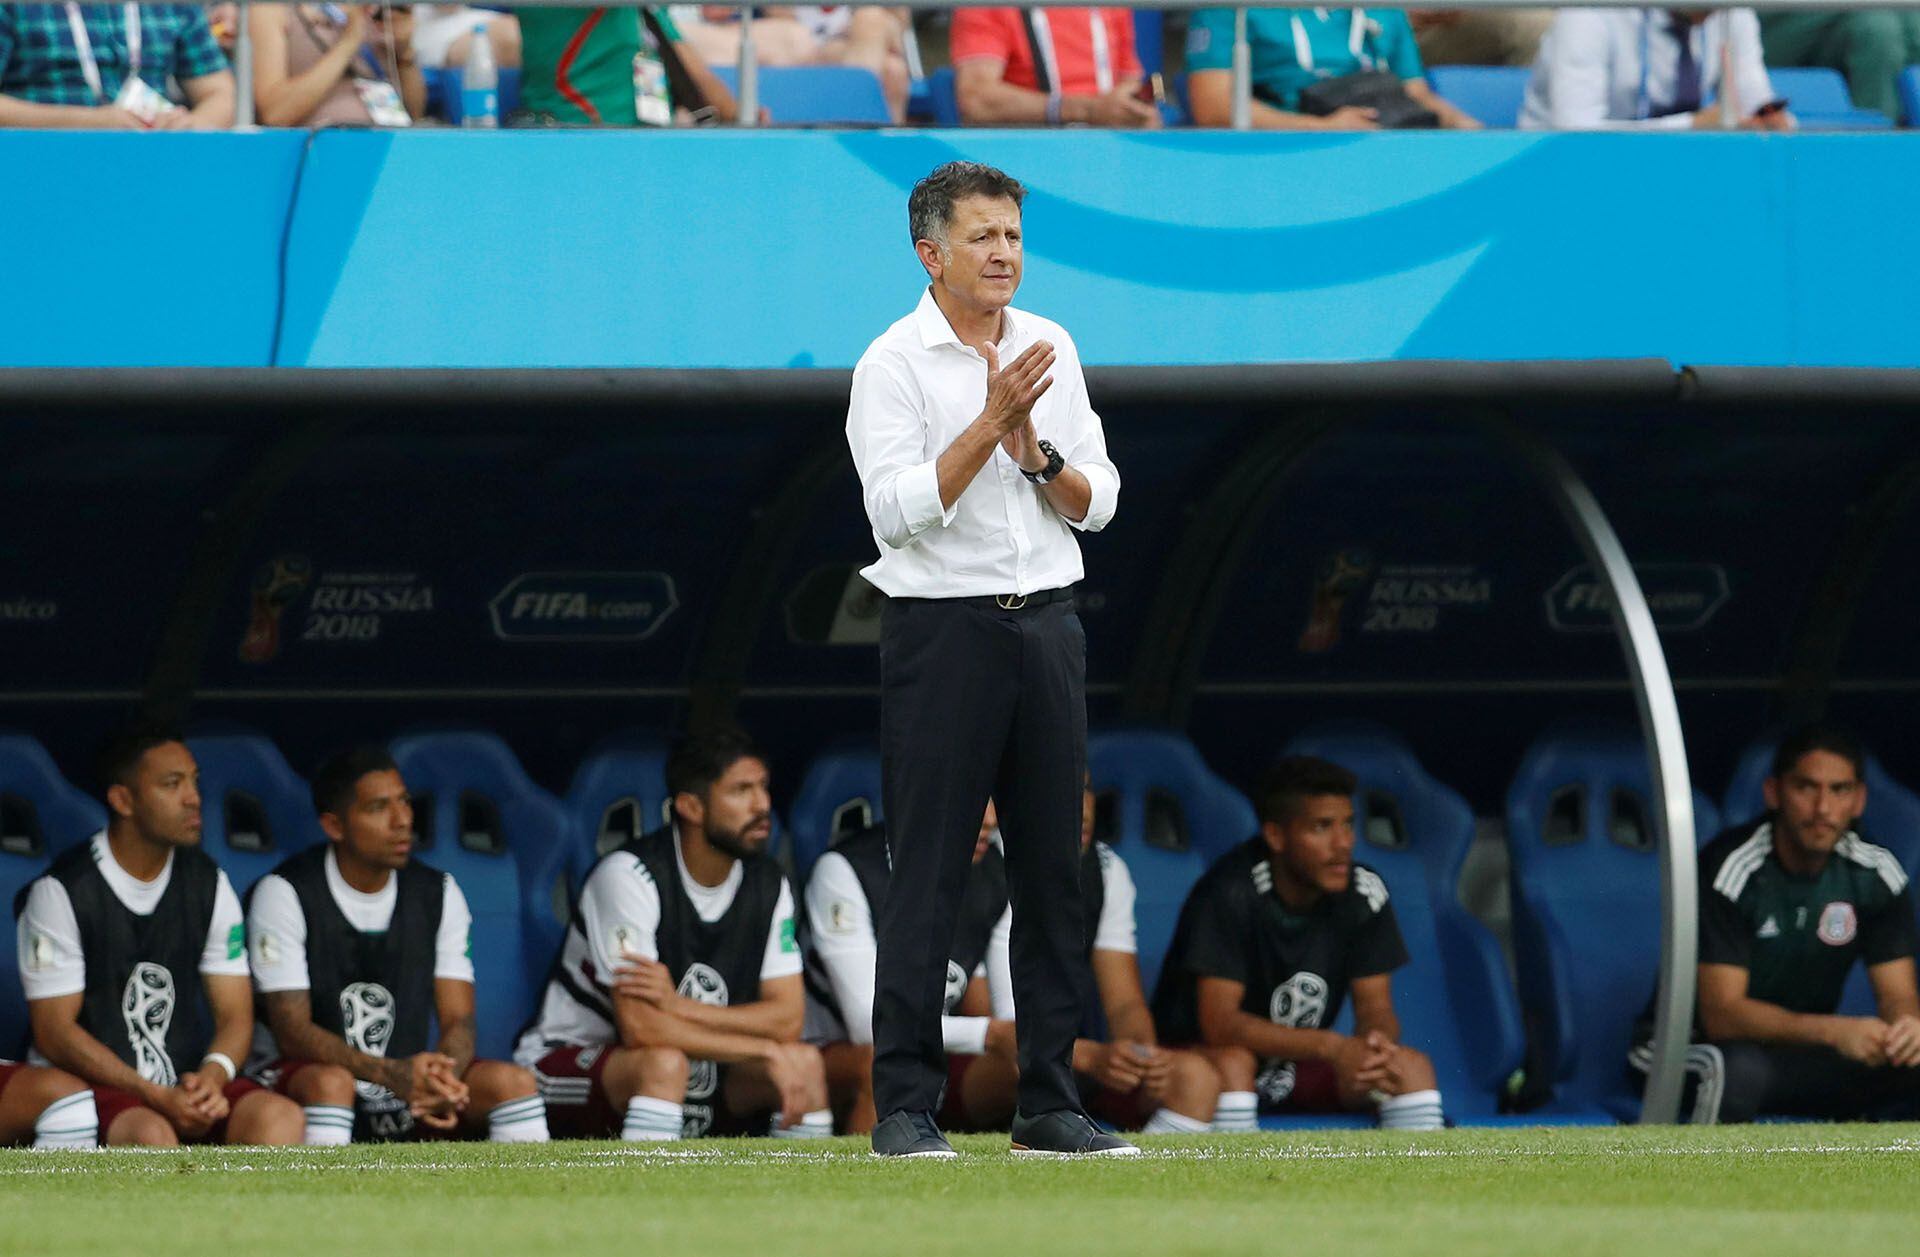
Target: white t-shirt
x,y
48,934
277,928
842,935
1114,933
620,917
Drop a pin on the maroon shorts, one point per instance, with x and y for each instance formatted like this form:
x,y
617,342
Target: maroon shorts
x,y
111,1102
578,1107
7,1070
1316,1088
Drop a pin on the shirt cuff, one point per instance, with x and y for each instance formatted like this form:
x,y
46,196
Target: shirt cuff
x,y
917,489
1103,499
964,1036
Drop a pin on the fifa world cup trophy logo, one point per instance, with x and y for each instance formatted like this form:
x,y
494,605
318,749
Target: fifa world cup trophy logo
x,y
275,586
147,1006
1340,575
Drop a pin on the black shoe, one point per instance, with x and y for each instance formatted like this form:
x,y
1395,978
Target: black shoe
x,y
911,1135
1065,1133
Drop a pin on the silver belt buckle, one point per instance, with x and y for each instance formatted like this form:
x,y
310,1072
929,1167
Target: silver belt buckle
x,y
1010,602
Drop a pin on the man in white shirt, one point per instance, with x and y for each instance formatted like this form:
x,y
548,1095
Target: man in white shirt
x,y
979,457
110,941
838,948
675,1007
358,952
1651,69
1126,1077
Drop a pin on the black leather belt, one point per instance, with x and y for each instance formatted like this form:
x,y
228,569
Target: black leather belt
x,y
1006,602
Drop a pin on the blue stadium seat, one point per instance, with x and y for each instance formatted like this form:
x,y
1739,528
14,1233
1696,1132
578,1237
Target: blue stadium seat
x,y
1586,907
255,810
946,101
1175,817
618,792
1455,999
817,95
1909,88
1892,819
41,814
839,795
1491,93
443,93
482,820
1818,97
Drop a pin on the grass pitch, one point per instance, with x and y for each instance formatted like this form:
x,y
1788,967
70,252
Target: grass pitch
x,y
1749,1192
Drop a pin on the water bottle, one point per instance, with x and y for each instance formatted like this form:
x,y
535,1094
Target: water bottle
x,y
480,84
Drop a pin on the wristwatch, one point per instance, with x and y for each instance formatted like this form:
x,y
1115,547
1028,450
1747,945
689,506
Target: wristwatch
x,y
1055,465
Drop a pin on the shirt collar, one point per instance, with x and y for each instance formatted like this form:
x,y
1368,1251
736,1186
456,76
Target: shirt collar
x,y
936,331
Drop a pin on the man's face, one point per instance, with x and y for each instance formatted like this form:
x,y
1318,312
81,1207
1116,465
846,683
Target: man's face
x,y
1816,801
378,826
1316,842
163,797
989,821
739,809
980,265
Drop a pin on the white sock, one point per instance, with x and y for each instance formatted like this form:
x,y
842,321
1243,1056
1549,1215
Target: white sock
x,y
650,1119
521,1121
329,1125
815,1125
1167,1122
69,1122
1416,1110
1237,1113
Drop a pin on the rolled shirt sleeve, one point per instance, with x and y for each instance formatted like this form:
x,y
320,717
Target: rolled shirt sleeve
x,y
224,954
453,945
52,963
887,433
198,52
1086,448
277,928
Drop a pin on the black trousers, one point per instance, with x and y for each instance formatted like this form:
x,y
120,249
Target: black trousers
x,y
979,702
1765,1078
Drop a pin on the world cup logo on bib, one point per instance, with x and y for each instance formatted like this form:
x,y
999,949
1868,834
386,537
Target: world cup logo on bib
x,y
147,1006
1300,1001
704,985
366,1022
956,986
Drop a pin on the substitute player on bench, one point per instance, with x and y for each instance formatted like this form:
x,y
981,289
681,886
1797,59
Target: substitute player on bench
x,y
358,951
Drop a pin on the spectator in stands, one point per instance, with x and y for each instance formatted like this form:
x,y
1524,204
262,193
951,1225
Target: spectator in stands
x,y
1870,47
615,68
676,1005
1026,67
111,940
341,937
1270,942
327,66
107,66
1654,69
1788,903
843,895
1297,49
48,1108
866,36
1126,1078
1479,36
443,35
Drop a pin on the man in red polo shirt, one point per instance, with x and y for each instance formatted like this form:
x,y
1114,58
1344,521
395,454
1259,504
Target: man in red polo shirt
x,y
1026,67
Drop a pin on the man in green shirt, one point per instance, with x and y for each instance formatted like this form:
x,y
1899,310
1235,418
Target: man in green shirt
x,y
1787,904
608,67
1869,46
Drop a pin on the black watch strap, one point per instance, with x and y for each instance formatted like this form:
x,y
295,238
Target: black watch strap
x,y
1055,465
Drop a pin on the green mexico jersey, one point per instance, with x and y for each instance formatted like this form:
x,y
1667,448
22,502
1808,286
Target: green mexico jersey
x,y
578,64
1797,937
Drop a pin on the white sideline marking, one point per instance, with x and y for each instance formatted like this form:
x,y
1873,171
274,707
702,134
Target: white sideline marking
x,y
310,1160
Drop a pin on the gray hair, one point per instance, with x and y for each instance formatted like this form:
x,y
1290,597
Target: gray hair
x,y
930,208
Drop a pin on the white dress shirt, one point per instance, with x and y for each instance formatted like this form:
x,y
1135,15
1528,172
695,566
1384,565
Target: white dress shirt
x,y
1605,69
915,390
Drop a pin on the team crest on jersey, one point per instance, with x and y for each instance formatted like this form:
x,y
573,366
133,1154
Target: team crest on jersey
x,y
623,937
147,1006
956,986
1838,924
702,983
1300,1001
840,917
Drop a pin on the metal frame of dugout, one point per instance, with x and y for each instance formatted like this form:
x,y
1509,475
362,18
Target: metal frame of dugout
x,y
314,408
